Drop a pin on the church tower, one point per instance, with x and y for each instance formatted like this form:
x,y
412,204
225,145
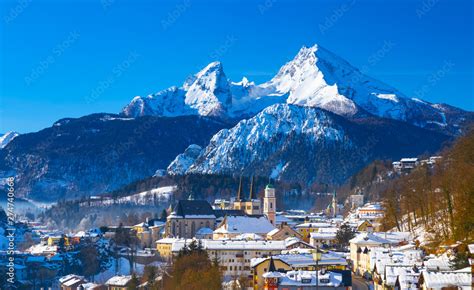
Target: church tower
x,y
334,204
269,203
238,203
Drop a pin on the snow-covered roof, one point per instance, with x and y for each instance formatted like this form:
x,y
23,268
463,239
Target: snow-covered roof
x,y
245,224
409,159
73,281
395,237
204,231
90,285
369,239
39,249
314,225
233,245
306,278
119,280
166,241
471,248
69,277
194,209
438,280
392,272
273,275
371,206
323,235
290,241
274,231
305,259
441,263
249,236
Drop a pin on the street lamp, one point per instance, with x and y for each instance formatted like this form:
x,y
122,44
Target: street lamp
x,y
317,257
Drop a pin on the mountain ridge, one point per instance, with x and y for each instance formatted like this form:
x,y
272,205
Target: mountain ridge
x,y
315,77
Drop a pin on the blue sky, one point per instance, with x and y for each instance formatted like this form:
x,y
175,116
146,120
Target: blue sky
x,y
72,58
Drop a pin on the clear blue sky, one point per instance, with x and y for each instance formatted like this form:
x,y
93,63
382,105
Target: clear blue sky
x,y
72,58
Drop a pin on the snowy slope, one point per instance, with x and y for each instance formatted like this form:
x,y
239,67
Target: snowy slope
x,y
314,78
296,143
256,139
7,138
183,161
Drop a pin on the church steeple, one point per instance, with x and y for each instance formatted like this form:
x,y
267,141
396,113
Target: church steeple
x,y
239,192
271,267
334,204
251,189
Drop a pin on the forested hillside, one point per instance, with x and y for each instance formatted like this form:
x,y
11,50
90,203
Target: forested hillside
x,y
440,200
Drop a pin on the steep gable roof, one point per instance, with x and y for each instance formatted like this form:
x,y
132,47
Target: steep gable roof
x,y
194,208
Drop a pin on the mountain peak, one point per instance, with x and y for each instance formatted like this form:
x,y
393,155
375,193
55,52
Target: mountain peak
x,y
208,91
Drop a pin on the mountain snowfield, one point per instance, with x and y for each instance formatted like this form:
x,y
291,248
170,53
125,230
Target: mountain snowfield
x,y
314,78
7,138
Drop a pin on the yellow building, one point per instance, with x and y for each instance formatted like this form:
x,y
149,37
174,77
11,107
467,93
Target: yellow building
x,y
306,229
251,205
164,246
54,241
365,226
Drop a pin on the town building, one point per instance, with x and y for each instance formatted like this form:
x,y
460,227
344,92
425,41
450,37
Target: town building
x,y
445,280
118,282
360,247
325,237
71,282
188,217
365,226
355,200
372,212
234,256
296,262
305,229
282,232
164,246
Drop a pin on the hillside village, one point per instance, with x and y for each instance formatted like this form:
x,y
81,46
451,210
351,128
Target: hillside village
x,y
248,244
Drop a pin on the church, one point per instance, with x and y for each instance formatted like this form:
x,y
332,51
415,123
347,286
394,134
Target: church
x,y
190,216
333,209
250,205
253,205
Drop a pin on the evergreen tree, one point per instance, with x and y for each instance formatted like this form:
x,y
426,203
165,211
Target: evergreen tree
x,y
344,235
163,216
134,283
459,261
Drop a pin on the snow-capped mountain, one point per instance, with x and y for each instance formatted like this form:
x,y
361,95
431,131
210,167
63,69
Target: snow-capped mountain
x,y
7,138
305,144
184,160
207,93
314,78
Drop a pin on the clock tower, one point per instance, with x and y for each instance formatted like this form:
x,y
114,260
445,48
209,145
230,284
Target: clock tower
x,y
269,203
